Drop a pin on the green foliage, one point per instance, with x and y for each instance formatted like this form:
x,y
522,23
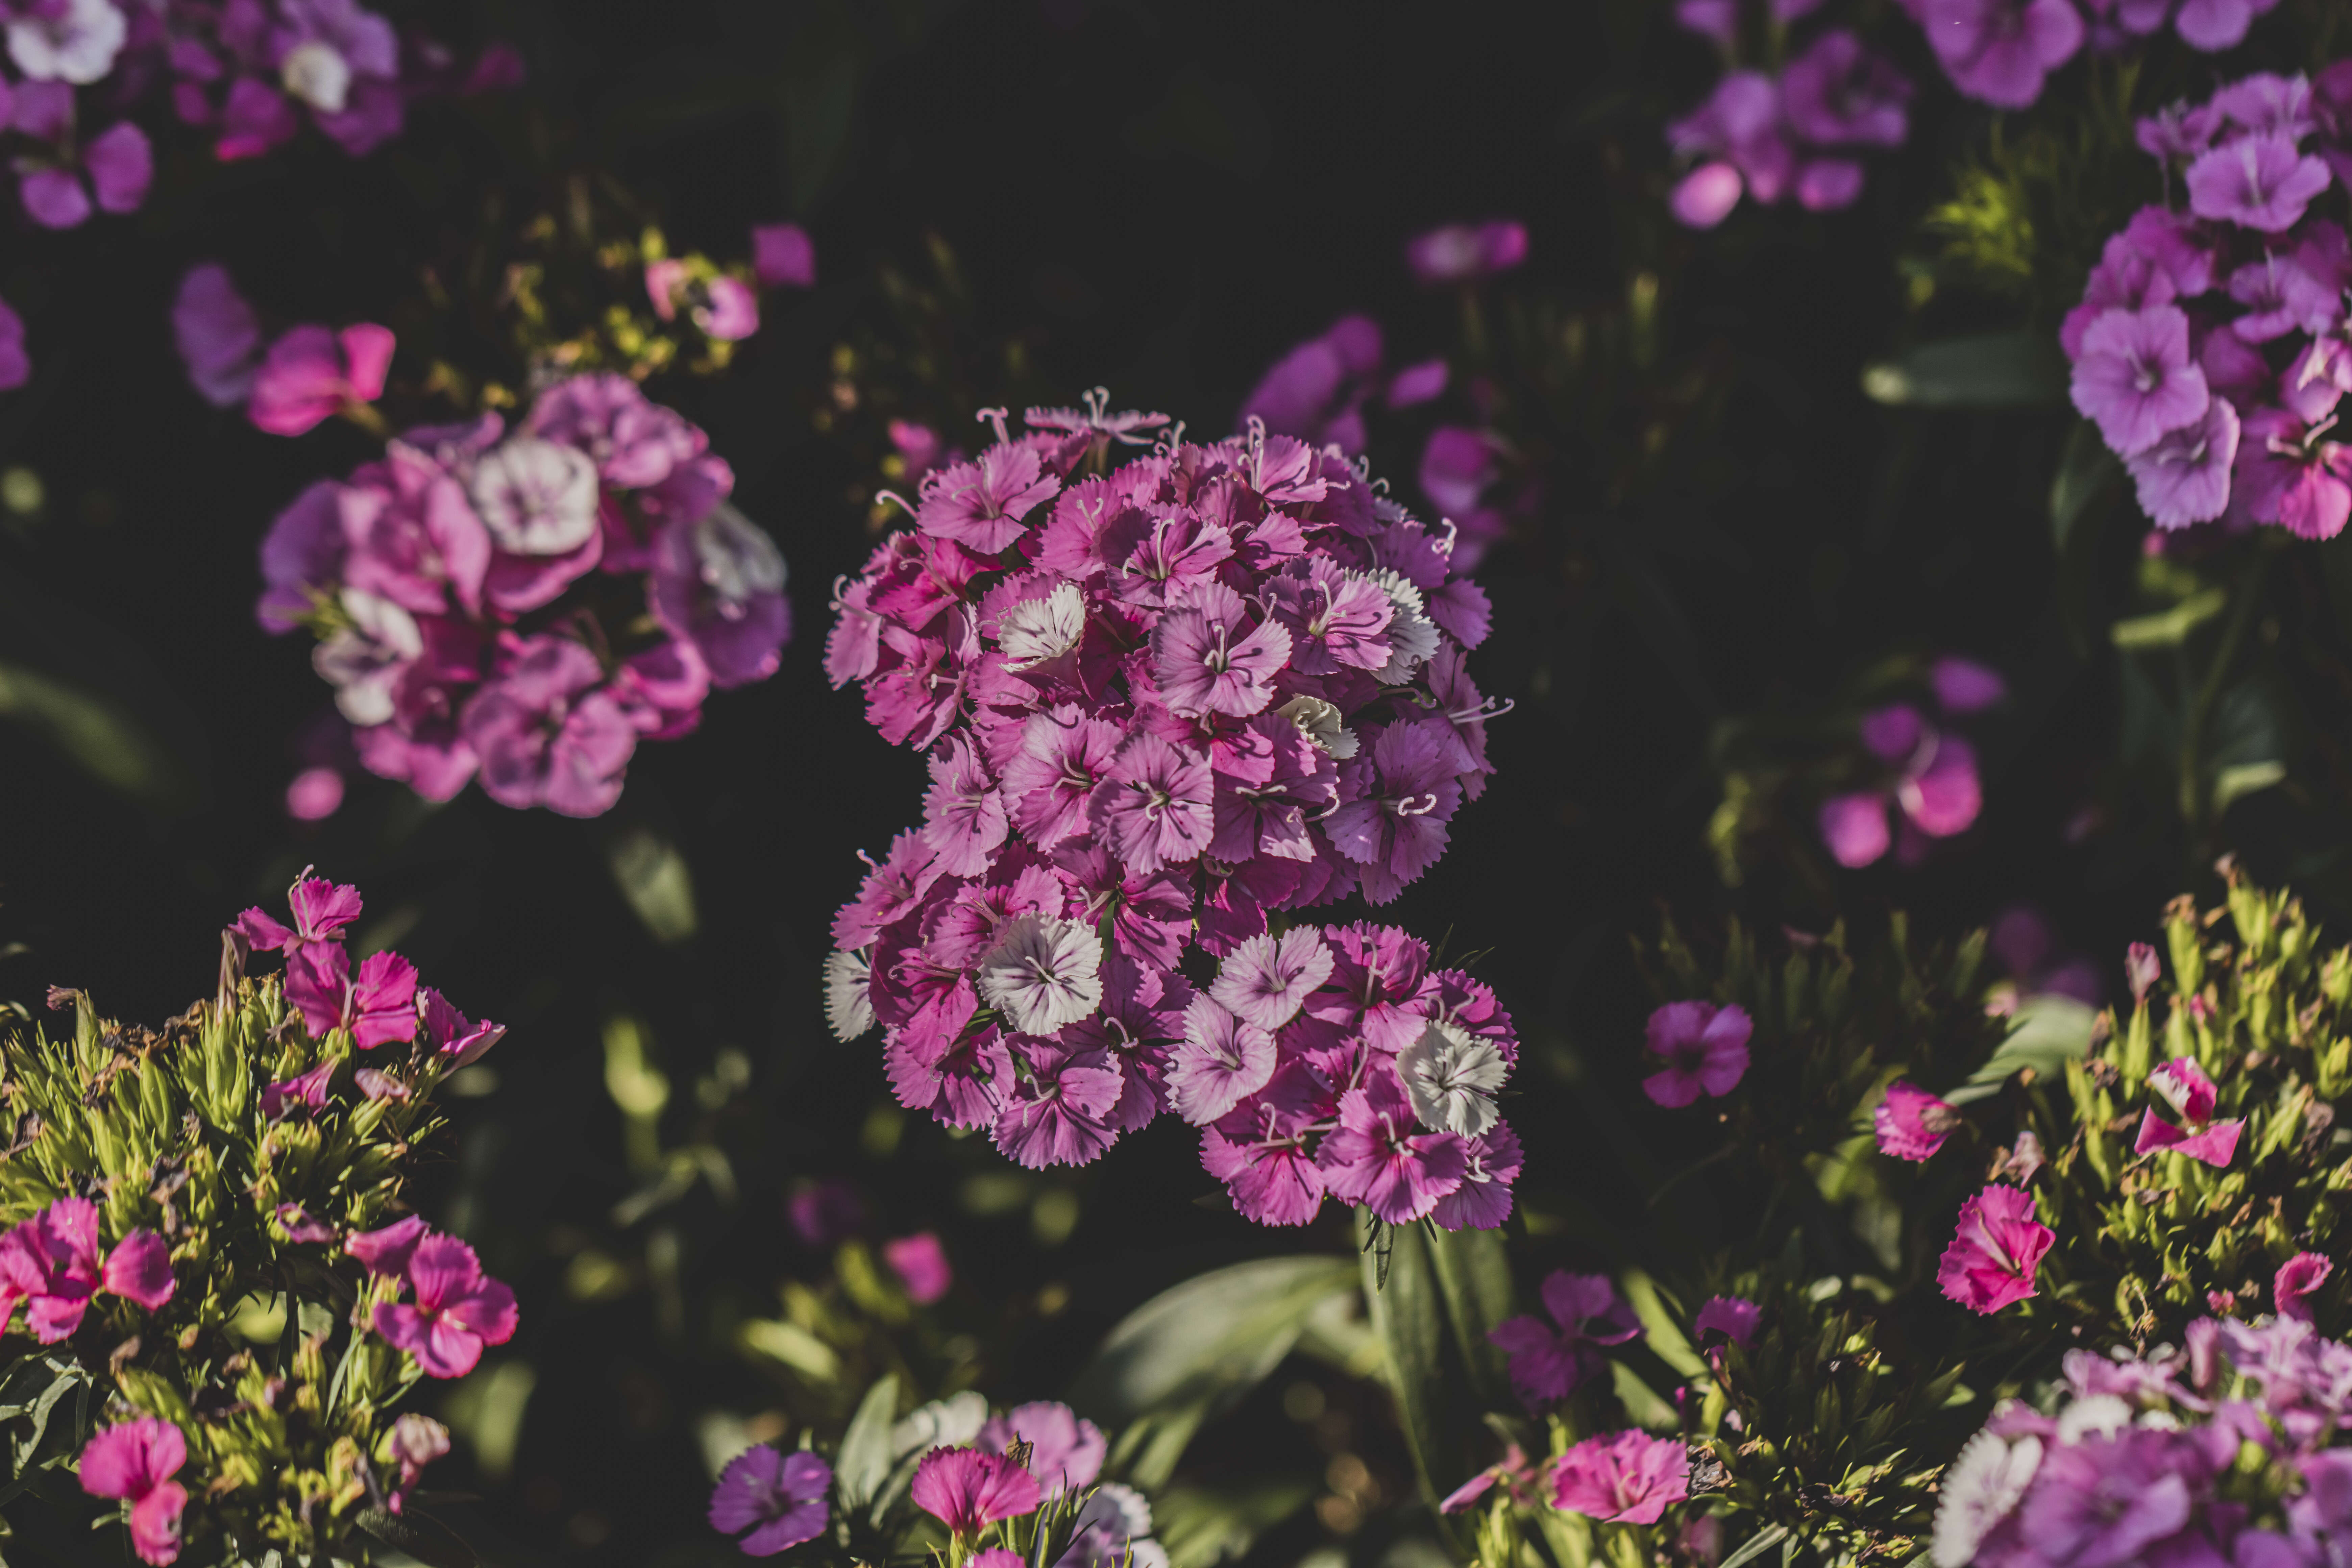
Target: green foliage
x,y
286,1402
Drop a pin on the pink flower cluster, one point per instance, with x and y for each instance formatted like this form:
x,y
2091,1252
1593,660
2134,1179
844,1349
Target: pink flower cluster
x,y
134,1462
456,1309
2209,346
1797,133
1929,782
1165,704
54,1265
460,588
243,71
1997,1245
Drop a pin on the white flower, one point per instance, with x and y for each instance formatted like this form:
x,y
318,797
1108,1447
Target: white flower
x,y
366,660
1320,722
2094,1415
848,995
948,1423
735,558
79,46
1115,1523
1043,973
536,497
1036,630
315,71
1451,1077
1978,1491
1413,635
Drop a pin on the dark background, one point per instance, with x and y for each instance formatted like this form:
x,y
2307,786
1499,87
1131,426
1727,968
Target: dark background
x,y
1155,196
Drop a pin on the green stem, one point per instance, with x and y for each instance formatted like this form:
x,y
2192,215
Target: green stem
x,y
2200,712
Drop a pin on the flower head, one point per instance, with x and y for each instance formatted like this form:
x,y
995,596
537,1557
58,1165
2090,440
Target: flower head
x,y
778,1497
1980,1491
1066,1453
1465,253
965,1489
218,339
310,374
1625,1477
1703,1047
2183,1086
1549,1361
1995,1250
921,1265
783,255
1733,1317
1911,1123
135,1462
457,1309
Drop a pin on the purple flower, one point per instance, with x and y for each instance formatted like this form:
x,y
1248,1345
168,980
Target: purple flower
x,y
1549,1361
1044,973
2137,378
1705,196
779,1497
1995,1249
458,1039
1066,1454
312,374
1733,1317
16,366
1220,1061
1374,1157
458,1309
1703,1047
1266,979
731,311
217,337
2258,181
385,1252
1838,93
825,1212
2214,25
322,910
782,256
1625,1478
120,164
2105,1500
1911,1123
1154,806
1315,391
378,1007
921,1265
548,733
718,583
2287,474
1210,659
1465,253
2298,1279
1059,1111
981,503
134,1460
2184,477
1964,686
1397,802
1999,51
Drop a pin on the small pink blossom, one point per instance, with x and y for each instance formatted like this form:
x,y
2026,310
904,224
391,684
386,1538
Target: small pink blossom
x,y
218,339
16,366
965,1489
783,255
1066,1453
135,1462
386,1252
140,1269
1377,1157
1625,1478
1703,1047
1266,979
1465,253
2182,1085
310,374
1995,1250
1549,1362
458,1309
1911,1123
921,1265
378,1007
1733,1317
783,1495
51,1263
457,1037
322,911
2298,1279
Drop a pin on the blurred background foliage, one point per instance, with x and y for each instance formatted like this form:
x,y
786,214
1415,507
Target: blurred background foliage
x,y
1725,542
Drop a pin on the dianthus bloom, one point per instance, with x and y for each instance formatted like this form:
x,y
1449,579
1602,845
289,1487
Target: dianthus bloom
x,y
456,1312
1928,775
1733,1317
1797,135
921,1265
1166,705
1549,1361
1625,1478
965,1489
1703,1047
778,1497
1911,1123
418,573
1995,1250
2183,1086
136,1462
1466,253
53,1263
1065,1452
2206,346
1999,51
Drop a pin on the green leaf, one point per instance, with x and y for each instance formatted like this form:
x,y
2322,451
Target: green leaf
x,y
1473,1277
1202,1527
1194,1351
1992,370
2049,1031
1410,1322
1756,1545
656,879
2169,628
420,1535
864,1462
1659,1329
2085,468
1649,1410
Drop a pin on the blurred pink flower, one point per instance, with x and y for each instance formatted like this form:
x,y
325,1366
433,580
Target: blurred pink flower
x,y
312,374
1465,253
135,1462
1625,1478
783,255
921,1265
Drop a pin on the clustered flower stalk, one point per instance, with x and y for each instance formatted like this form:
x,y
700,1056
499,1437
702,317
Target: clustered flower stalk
x,y
1166,704
206,1241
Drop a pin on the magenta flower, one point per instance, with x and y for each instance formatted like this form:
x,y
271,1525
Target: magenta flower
x,y
312,374
2183,1084
1625,1478
779,1497
921,1265
134,1461
1395,806
306,1092
1316,391
547,732
718,583
982,503
458,1309
2288,474
1376,1158
140,1269
1703,1047
2298,1279
965,1489
1220,1061
378,1007
1911,1123
1059,1113
1154,807
1548,1363
16,366
458,1039
1964,686
1999,51
1733,1317
782,256
1210,659
299,1226
2184,477
1466,253
119,165
1705,197
1482,1201
1995,1250
50,1262
2258,181
1838,93
386,1252
1066,1454
2135,378
322,911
